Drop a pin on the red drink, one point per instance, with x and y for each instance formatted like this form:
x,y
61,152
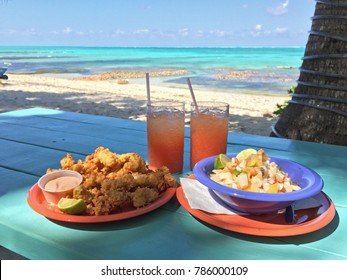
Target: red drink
x,y
165,135
208,130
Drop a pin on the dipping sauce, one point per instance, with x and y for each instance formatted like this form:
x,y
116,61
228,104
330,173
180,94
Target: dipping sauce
x,y
61,184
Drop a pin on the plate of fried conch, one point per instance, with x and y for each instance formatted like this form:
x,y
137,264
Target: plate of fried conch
x,y
114,187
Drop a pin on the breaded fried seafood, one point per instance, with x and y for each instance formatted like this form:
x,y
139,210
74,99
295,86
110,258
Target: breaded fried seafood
x,y
115,182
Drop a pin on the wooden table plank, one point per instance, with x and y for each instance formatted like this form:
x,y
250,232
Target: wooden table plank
x,y
78,128
77,117
29,159
68,141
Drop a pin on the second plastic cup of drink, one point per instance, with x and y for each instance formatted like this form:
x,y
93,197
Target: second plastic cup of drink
x,y
208,130
165,135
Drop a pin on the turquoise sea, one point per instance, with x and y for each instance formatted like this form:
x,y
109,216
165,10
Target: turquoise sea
x,y
263,70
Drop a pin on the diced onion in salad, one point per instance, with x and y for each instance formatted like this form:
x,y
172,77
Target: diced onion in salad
x,y
254,173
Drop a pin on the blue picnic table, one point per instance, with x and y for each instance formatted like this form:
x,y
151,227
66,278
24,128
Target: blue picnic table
x,y
32,140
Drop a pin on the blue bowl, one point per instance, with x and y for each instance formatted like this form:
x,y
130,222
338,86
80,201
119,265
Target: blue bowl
x,y
262,203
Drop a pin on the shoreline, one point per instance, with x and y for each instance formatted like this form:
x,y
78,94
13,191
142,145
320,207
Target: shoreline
x,y
253,81
249,112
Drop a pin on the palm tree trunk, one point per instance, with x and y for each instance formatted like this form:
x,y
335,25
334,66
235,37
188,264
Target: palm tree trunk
x,y
318,109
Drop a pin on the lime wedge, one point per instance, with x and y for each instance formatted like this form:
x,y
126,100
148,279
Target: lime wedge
x,y
245,153
72,206
221,161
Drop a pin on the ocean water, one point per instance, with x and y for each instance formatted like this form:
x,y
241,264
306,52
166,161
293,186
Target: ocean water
x,y
259,70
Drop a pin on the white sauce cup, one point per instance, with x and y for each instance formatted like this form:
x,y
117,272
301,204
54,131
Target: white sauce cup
x,y
53,196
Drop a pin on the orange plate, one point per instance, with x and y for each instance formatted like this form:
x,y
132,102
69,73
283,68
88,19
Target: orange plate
x,y
306,221
37,202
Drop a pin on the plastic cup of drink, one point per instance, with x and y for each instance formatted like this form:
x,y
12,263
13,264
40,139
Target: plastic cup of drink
x,y
208,130
165,135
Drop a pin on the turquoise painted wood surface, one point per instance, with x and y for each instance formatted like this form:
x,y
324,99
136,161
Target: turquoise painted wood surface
x,y
34,139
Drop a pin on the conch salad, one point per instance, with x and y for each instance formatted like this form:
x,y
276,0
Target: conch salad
x,y
252,170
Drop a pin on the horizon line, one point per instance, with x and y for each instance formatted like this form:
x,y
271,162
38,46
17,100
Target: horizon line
x,y
163,47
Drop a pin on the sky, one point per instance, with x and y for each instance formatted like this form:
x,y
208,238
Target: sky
x,y
155,23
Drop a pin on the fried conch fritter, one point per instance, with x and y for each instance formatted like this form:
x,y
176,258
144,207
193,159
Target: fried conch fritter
x,y
115,182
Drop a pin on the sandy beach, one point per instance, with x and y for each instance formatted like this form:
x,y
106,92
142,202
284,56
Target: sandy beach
x,y
249,113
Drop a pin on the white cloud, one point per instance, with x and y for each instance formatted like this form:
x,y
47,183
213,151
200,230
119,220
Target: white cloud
x,y
118,32
32,31
184,32
259,30
218,33
200,33
67,30
280,9
258,27
141,31
281,29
